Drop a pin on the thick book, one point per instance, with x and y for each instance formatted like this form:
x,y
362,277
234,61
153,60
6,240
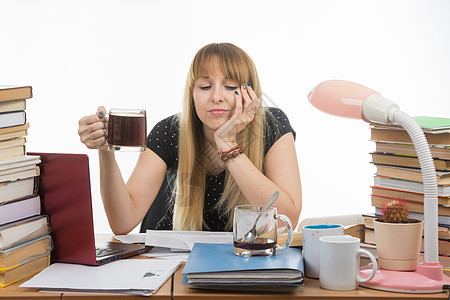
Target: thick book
x,y
23,253
408,186
13,132
15,233
407,161
401,136
14,151
437,151
407,196
27,269
412,174
18,189
15,162
15,92
427,123
216,265
12,142
19,174
21,209
411,206
10,119
13,105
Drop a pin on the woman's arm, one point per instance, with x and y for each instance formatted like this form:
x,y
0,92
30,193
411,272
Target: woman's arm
x,y
281,174
125,204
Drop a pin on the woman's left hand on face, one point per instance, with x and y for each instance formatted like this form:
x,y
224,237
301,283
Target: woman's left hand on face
x,y
247,104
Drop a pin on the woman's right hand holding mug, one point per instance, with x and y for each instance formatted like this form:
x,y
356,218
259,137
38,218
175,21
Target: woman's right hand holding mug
x,y
92,130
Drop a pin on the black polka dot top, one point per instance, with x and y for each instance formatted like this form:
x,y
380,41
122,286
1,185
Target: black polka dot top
x,y
163,140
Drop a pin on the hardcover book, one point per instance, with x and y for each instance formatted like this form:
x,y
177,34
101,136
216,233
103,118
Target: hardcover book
x,y
15,92
408,186
14,132
412,174
27,269
10,119
407,196
437,151
14,211
378,133
407,161
23,253
23,230
13,105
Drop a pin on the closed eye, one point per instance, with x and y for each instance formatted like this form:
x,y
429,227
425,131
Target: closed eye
x,y
229,87
206,87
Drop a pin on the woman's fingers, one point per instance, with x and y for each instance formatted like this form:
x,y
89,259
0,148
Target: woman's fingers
x,y
92,129
101,111
246,98
255,100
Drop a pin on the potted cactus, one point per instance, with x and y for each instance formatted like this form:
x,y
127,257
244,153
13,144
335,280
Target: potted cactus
x,y
398,237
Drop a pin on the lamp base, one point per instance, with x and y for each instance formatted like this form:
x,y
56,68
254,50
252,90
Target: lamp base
x,y
427,278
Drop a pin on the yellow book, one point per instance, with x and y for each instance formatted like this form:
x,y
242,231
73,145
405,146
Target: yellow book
x,y
22,253
15,92
27,269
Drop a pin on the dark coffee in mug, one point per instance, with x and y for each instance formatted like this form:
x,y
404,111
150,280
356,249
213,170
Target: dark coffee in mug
x,y
127,129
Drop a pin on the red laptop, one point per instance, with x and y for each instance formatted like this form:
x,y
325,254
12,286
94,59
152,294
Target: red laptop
x,y
65,190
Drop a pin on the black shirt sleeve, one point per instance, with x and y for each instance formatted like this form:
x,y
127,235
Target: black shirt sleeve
x,y
163,140
277,125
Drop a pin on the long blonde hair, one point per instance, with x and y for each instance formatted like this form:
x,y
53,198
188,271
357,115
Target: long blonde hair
x,y
236,65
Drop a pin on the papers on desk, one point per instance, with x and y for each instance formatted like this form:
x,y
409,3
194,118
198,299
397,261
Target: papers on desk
x,y
176,245
185,240
129,276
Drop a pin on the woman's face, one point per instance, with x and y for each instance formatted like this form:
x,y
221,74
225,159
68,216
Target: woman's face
x,y
214,98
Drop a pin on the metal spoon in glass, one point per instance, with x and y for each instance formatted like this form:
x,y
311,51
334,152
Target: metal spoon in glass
x,y
251,235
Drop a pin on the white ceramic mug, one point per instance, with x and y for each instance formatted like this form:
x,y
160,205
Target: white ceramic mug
x,y
311,245
339,263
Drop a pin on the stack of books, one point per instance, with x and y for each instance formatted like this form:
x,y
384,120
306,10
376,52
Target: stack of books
x,y
398,175
25,243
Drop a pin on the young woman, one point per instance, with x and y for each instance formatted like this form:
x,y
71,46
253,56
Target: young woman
x,y
222,150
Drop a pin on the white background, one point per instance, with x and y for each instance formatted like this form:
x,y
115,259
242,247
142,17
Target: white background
x,y
81,54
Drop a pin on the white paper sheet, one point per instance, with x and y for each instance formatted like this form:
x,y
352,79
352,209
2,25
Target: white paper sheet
x,y
167,253
136,276
131,238
185,240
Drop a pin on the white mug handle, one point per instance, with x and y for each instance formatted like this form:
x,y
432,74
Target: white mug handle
x,y
360,252
289,229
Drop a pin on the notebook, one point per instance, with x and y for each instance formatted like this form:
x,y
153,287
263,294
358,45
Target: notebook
x,y
65,190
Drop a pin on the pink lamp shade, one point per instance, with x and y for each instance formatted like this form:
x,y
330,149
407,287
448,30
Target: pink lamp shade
x,y
340,98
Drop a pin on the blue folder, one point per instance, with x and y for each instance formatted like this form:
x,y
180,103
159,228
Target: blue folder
x,y
205,258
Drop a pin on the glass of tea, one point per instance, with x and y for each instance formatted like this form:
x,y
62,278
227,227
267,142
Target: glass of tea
x,y
127,129
255,231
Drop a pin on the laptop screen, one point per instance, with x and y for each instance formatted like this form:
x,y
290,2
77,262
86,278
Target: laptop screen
x,y
65,190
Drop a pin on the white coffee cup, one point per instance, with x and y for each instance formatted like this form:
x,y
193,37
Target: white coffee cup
x,y
339,263
311,245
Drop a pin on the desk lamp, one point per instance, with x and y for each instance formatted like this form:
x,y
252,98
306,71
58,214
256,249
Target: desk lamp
x,y
352,100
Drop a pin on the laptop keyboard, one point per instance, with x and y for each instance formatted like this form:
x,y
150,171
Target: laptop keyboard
x,y
99,252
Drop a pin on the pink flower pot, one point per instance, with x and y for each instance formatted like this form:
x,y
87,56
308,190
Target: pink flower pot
x,y
398,245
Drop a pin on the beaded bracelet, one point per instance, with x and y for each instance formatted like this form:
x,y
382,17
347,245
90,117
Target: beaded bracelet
x,y
225,156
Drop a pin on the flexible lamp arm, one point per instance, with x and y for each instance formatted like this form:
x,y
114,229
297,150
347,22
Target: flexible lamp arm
x,y
352,100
